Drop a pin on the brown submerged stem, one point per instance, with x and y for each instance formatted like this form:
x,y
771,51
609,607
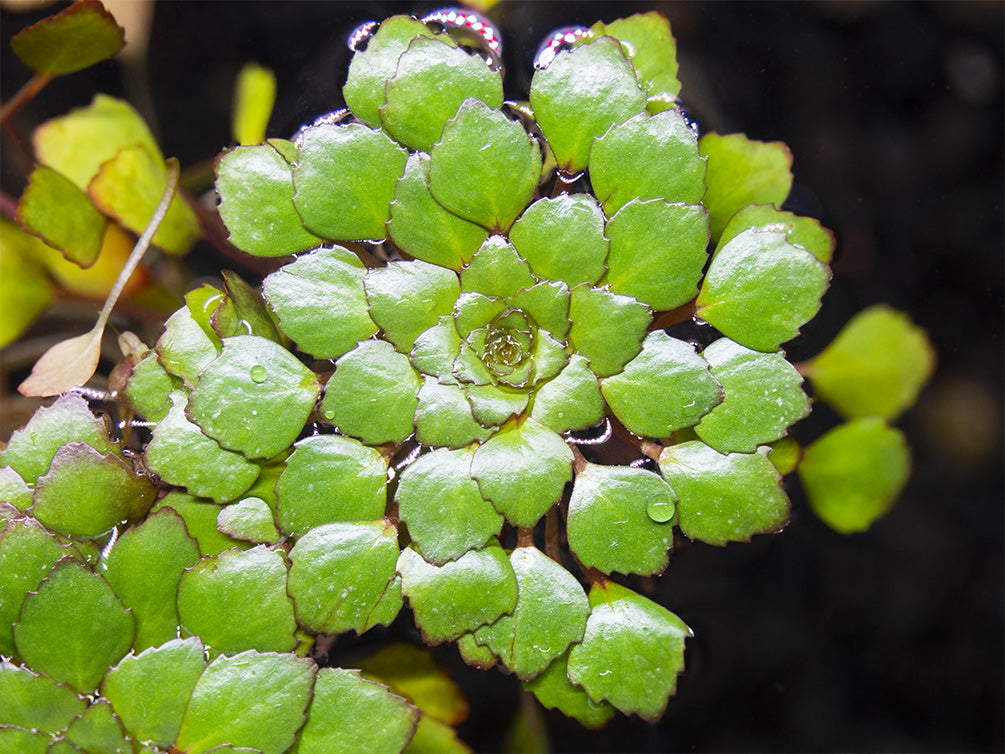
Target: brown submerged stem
x,y
25,94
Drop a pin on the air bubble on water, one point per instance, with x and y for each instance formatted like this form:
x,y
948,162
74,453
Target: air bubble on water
x,y
360,36
699,321
332,118
258,374
468,26
559,40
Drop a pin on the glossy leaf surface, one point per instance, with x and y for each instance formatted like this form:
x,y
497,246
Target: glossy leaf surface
x,y
854,472
431,81
200,517
876,366
373,394
648,157
255,185
631,653
760,289
665,388
802,231
484,167
55,209
563,239
609,524
33,701
743,171
350,714
522,470
345,181
423,228
555,691
330,478
251,699
459,596
550,614
763,397
657,252
724,498
95,630
571,400
652,49
407,298
443,417
86,493
144,567
237,600
150,691
249,519
580,95
607,328
265,391
443,506
339,574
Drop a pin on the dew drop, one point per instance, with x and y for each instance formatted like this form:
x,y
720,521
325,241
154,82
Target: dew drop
x,y
556,42
258,374
329,414
660,509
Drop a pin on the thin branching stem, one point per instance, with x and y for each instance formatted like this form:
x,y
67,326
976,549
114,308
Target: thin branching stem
x,y
25,94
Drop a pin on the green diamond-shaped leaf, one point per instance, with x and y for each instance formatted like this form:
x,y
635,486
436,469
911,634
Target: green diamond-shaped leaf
x,y
658,252
255,185
320,302
144,567
128,188
68,419
854,473
563,238
607,328
422,228
496,270
53,208
550,613
21,741
149,387
443,417
547,303
743,171
185,348
443,506
86,493
492,405
99,729
648,157
876,366
20,260
570,401
345,181
632,652
432,79
555,691
254,398
339,572
460,596
181,454
150,691
609,524
760,289
407,298
580,95
351,715
330,478
370,68
762,398
651,47
237,600
14,491
27,553
251,699
663,389
73,39
373,393
802,231
485,167
250,519
522,470
725,498
435,350
94,630
28,700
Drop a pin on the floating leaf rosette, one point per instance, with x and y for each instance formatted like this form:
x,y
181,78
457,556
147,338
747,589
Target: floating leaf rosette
x,y
478,288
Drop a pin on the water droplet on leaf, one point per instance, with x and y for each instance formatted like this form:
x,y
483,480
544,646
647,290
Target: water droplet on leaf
x,y
258,374
660,509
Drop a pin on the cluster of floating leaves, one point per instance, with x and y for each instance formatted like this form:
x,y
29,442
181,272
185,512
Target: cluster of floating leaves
x,y
358,433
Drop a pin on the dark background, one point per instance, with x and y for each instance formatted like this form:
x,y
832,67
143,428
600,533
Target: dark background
x,y
809,640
